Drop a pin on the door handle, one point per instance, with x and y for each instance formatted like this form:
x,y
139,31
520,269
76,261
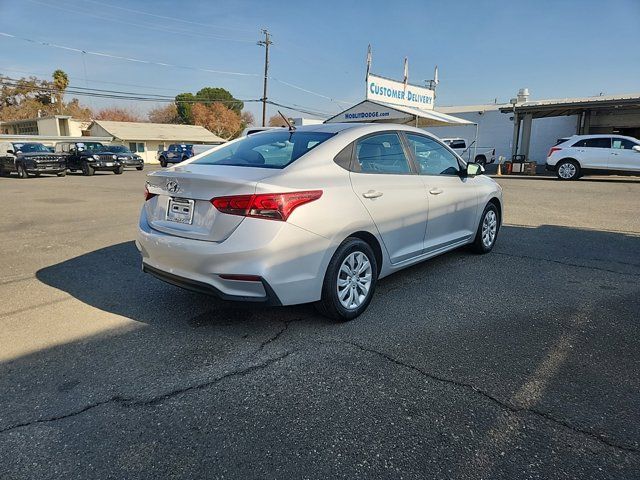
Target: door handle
x,y
372,194
436,191
614,153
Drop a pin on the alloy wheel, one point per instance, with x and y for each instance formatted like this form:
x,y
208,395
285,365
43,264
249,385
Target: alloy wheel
x,y
567,170
489,228
354,280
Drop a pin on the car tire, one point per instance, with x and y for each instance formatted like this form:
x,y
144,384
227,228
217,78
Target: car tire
x,y
568,170
488,229
339,282
119,170
163,162
87,170
62,174
22,172
481,159
139,168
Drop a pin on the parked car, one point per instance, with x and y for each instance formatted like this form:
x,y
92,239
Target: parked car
x,y
594,154
89,157
464,148
175,153
179,152
30,158
127,157
317,214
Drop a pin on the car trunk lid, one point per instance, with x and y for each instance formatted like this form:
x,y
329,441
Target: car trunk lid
x,y
180,202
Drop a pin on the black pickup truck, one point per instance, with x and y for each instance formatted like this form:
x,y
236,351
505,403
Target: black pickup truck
x,y
30,158
89,157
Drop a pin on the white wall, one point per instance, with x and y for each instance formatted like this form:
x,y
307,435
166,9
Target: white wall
x,y
48,126
495,130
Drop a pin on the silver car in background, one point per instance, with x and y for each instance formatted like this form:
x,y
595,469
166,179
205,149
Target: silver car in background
x,y
313,214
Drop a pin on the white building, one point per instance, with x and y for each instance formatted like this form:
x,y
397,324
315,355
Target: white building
x,y
541,123
53,126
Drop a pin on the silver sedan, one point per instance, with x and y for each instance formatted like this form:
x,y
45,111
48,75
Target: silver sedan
x,y
313,214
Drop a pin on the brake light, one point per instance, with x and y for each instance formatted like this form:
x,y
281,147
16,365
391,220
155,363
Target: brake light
x,y
553,149
271,206
147,194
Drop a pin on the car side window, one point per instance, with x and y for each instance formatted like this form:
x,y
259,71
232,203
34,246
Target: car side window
x,y
623,144
458,144
381,153
432,157
594,143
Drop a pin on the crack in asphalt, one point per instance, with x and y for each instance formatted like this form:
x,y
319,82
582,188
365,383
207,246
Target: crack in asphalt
x,y
568,264
130,401
278,334
126,402
501,403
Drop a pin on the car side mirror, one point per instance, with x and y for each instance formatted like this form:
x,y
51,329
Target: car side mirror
x,y
474,169
636,148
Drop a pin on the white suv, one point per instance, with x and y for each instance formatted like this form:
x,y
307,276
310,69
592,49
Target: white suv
x,y
602,154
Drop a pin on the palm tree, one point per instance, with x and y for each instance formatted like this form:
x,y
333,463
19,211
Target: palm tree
x,y
60,83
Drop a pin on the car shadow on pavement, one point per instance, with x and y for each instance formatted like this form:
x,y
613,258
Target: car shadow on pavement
x,y
111,279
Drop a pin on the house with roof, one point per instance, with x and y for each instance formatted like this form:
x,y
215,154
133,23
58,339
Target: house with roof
x,y
147,139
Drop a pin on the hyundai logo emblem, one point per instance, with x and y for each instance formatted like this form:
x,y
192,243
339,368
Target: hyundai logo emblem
x,y
172,186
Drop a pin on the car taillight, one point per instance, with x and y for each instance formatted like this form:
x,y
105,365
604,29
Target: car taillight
x,y
147,194
271,206
553,149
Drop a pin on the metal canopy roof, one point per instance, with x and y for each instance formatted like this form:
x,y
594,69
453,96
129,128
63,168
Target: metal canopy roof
x,y
573,106
369,111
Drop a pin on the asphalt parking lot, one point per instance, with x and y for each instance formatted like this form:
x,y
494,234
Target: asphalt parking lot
x,y
518,364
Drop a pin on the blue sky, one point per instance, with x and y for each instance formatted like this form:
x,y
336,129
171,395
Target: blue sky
x,y
484,49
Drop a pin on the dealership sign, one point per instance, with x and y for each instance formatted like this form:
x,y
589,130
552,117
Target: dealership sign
x,y
399,93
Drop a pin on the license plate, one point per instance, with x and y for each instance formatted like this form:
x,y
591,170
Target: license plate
x,y
109,164
180,210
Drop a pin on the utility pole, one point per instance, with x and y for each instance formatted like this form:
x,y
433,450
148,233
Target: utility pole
x,y
265,43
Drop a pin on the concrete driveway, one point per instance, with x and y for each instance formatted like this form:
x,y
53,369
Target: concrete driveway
x,y
518,364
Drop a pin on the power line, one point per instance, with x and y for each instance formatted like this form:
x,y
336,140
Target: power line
x,y
173,19
113,94
163,64
129,59
143,25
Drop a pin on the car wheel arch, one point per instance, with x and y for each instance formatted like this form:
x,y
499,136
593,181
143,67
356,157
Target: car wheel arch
x,y
495,201
373,242
568,159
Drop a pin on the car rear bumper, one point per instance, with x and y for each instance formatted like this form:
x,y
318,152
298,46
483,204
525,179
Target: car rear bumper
x,y
289,260
268,297
549,167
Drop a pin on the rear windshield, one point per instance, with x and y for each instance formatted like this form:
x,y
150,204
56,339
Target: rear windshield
x,y
266,150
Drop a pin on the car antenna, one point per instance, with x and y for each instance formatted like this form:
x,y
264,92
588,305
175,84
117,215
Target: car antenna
x,y
291,127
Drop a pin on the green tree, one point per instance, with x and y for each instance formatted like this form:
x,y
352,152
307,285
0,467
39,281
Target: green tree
x,y
60,83
184,103
206,96
209,95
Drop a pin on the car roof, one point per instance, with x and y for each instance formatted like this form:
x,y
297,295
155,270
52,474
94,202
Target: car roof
x,y
600,135
361,128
